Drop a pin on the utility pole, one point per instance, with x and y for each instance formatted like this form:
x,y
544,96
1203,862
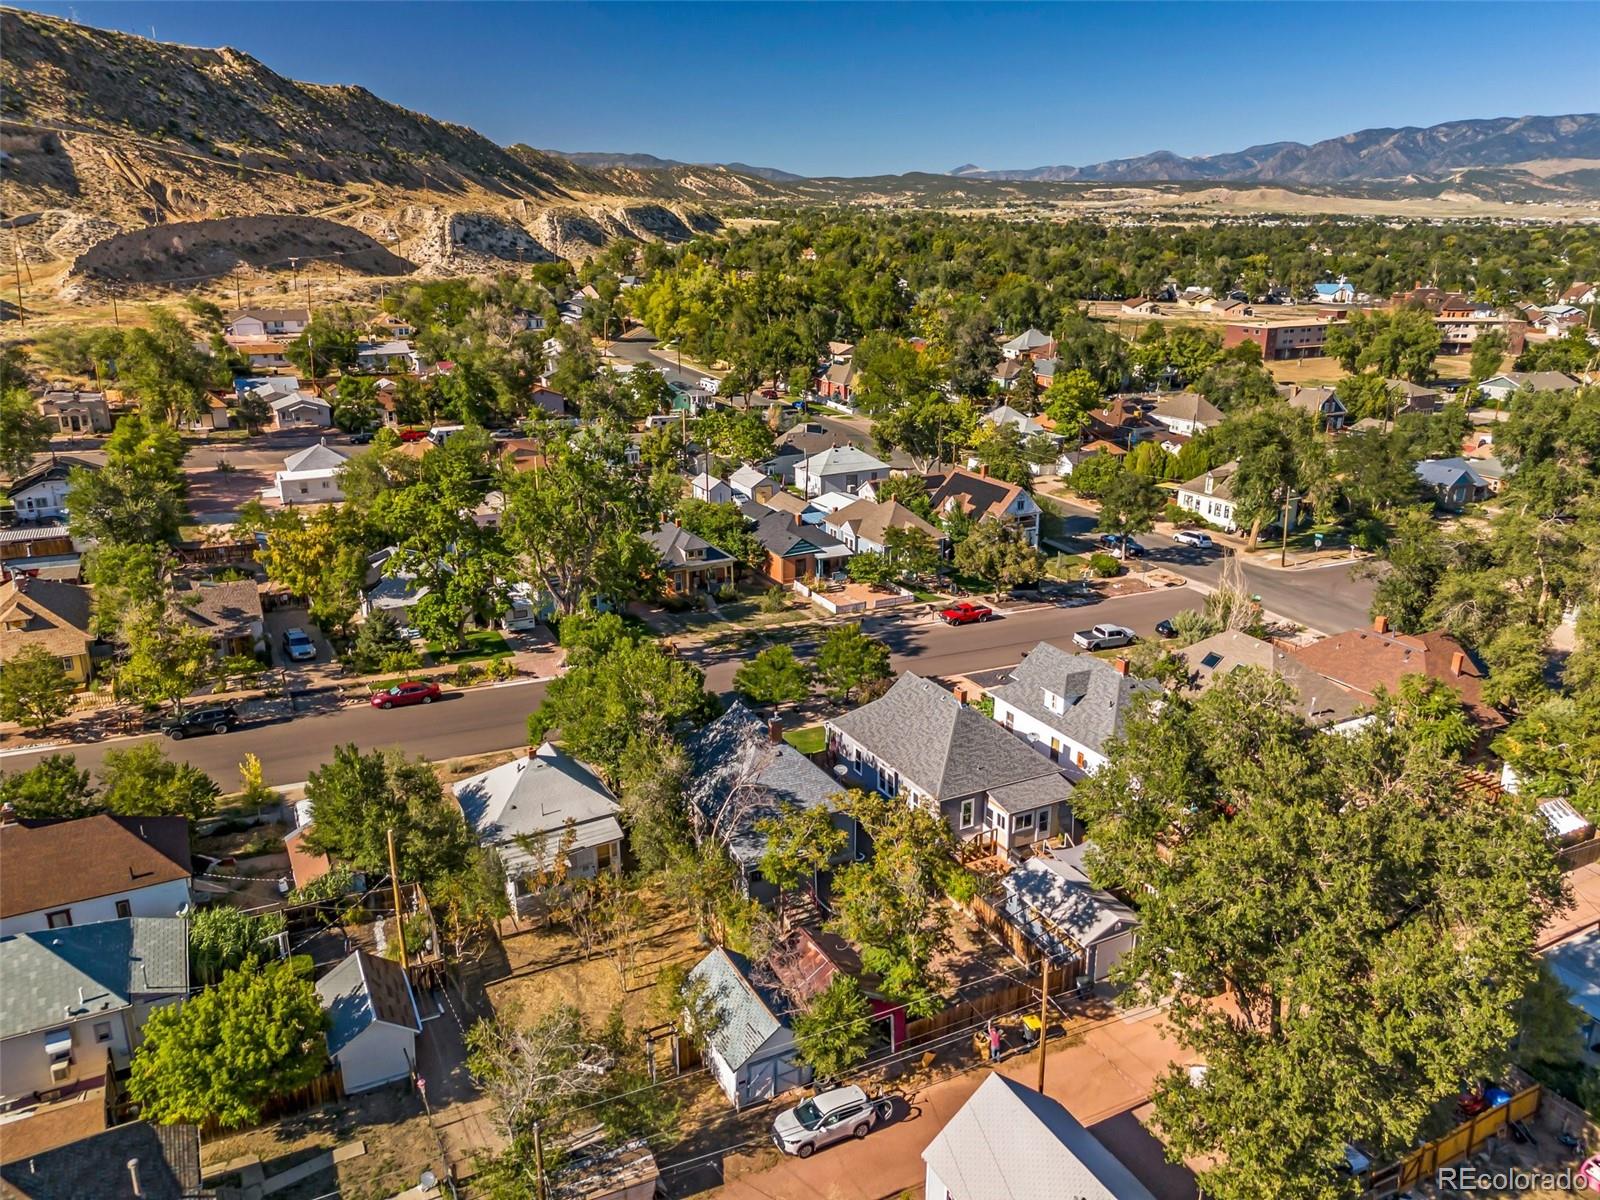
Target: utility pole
x,y
16,261
1283,555
399,913
538,1159
1044,1014
116,318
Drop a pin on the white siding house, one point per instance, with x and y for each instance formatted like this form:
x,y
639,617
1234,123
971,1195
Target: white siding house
x,y
311,476
1067,706
752,1053
839,469
372,1021
56,874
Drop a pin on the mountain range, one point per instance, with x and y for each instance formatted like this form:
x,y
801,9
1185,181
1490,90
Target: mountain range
x,y
1411,153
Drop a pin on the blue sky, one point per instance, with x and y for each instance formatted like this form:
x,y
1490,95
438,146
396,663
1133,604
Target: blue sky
x,y
868,88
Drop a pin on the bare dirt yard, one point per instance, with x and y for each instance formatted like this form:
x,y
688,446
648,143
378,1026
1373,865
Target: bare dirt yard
x,y
389,1123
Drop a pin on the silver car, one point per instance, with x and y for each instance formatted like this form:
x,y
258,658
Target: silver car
x,y
826,1118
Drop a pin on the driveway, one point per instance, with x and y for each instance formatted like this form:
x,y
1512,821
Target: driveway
x,y
1103,1080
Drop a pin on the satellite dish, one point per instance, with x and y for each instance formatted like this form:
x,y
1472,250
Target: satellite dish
x,y
841,770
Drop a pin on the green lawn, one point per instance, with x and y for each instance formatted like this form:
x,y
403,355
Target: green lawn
x,y
478,644
809,740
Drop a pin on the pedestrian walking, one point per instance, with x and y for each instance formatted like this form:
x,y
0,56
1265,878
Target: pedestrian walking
x,y
994,1042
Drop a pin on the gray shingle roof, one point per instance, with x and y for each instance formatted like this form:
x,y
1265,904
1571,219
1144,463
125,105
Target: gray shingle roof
x,y
538,794
734,753
838,460
362,989
940,745
315,458
746,1018
96,1168
784,536
1447,472
1053,902
112,961
674,544
1010,1143
1095,693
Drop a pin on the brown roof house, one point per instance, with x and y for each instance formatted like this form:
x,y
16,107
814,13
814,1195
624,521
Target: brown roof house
x,y
229,612
864,525
52,616
979,496
57,873
1365,660
1320,700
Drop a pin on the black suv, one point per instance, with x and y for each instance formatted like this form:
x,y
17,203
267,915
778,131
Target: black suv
x,y
221,719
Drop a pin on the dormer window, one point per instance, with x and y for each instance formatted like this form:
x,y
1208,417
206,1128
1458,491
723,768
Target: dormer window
x,y
1209,484
1053,702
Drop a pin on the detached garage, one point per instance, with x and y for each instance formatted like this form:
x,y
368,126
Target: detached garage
x,y
752,1053
372,1021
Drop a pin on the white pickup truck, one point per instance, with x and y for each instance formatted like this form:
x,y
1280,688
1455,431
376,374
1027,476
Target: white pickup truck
x,y
1103,637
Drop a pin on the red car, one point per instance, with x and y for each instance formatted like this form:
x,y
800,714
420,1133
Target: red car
x,y
414,692
413,435
965,613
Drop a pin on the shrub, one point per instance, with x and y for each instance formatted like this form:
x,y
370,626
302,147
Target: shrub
x,y
774,600
497,669
1103,565
466,675
727,594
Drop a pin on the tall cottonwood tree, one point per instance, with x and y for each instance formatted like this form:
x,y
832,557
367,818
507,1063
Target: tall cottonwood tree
x,y
1367,920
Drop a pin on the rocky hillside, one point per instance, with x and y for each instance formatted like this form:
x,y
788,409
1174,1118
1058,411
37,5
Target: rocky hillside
x,y
1438,153
106,135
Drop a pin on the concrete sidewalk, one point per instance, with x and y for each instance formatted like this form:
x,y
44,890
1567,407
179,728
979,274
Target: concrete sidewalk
x,y
1104,1080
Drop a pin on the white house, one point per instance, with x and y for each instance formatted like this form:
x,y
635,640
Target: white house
x,y
311,476
40,494
301,410
250,323
378,356
60,873
1185,412
1030,343
76,412
1052,902
839,469
1211,496
1339,291
536,807
751,1052
751,483
373,1021
863,525
76,998
1068,706
1501,388
1009,1142
707,486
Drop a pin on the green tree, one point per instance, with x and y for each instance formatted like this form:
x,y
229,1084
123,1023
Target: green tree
x,y
167,370
361,797
138,496
733,436
1009,455
1244,832
164,658
835,1032
1273,446
873,569
328,343
222,937
230,1049
1129,504
1416,557
910,490
1093,475
578,519
999,552
143,782
34,689
892,907
24,431
355,405
911,549
377,639
602,703
1432,715
53,787
774,676
800,843
321,556
725,527
1488,352
850,662
1070,398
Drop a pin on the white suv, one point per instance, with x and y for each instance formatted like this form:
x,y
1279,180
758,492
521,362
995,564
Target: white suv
x,y
826,1118
1193,537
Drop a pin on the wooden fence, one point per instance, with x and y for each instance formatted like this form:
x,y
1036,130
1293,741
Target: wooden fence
x,y
1021,946
324,1089
971,1012
1581,855
1461,1141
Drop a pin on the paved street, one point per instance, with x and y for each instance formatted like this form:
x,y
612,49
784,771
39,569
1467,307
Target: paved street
x,y
486,719
1329,599
640,345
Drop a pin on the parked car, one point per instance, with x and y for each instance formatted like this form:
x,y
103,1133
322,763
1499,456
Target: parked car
x,y
298,646
964,612
219,719
413,435
1118,545
826,1118
413,691
708,384
1166,629
1103,637
505,435
362,436
1193,537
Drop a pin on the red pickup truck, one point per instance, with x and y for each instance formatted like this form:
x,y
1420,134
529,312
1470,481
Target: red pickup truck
x,y
964,612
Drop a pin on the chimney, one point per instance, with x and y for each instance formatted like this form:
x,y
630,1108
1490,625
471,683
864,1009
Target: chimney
x,y
1380,624
1121,664
1458,662
133,1175
775,730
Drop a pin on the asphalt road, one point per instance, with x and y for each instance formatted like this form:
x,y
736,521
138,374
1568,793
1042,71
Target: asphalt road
x,y
1328,599
488,719
640,345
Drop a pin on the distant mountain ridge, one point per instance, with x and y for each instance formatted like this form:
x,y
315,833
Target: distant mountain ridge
x,y
1368,155
650,162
